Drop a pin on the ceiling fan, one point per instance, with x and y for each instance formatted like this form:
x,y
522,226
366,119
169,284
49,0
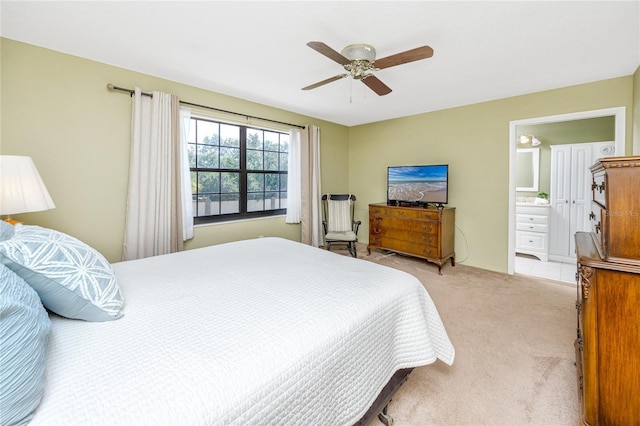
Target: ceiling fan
x,y
359,60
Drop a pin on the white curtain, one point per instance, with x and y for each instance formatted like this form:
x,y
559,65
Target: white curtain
x,y
314,208
294,202
187,202
311,218
154,213
303,189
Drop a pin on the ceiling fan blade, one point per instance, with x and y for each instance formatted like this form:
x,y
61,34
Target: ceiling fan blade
x,y
376,85
323,82
322,48
416,54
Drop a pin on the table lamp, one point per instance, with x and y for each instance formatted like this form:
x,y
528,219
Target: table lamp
x,y
21,188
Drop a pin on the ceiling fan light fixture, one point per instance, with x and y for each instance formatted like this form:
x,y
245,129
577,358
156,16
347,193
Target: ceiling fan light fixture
x,y
359,52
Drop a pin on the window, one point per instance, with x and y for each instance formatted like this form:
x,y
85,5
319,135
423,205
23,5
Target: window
x,y
237,172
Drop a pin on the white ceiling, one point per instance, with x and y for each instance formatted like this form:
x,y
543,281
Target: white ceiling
x,y
256,50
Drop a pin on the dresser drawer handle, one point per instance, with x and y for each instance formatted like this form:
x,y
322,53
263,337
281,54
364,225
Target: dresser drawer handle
x,y
594,185
601,188
427,251
424,238
429,229
597,227
592,216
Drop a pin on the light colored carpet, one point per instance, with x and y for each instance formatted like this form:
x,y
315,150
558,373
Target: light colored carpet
x,y
513,337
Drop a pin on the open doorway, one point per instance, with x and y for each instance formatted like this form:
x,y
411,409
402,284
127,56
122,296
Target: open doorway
x,y
619,140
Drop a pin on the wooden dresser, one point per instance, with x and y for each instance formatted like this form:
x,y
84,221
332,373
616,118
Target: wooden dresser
x,y
427,233
608,297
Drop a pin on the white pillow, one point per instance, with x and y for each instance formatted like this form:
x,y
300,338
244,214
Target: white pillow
x,y
71,278
24,331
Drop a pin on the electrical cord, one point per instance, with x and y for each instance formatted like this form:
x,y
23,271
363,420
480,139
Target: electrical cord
x,y
467,242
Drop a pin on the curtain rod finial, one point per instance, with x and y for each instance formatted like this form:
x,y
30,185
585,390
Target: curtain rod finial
x,y
111,87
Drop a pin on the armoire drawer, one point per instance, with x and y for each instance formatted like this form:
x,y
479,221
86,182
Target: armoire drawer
x,y
598,222
598,188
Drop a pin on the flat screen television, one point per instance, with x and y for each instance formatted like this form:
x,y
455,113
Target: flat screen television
x,y
418,185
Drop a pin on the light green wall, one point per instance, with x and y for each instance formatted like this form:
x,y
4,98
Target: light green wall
x,y
474,141
56,108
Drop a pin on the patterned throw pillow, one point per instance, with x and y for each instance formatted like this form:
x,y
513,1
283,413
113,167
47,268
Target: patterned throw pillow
x,y
6,230
71,278
24,331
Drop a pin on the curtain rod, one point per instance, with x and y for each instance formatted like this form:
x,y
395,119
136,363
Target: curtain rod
x,y
131,92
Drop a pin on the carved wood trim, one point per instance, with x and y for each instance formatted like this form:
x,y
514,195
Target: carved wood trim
x,y
620,165
587,273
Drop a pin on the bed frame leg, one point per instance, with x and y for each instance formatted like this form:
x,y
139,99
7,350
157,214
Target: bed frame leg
x,y
384,417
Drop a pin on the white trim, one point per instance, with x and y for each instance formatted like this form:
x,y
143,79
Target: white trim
x,y
227,222
620,125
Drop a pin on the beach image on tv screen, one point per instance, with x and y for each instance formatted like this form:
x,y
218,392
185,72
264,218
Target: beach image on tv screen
x,y
418,184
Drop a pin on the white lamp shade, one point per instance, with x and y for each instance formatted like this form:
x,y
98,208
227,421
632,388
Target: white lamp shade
x,y
21,188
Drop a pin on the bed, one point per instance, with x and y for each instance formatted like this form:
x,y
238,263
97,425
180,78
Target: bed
x,y
261,331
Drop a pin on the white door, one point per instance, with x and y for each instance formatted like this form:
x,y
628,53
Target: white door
x,y
560,212
571,194
580,193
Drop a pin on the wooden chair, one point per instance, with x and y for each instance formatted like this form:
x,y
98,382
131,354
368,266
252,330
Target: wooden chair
x,y
340,227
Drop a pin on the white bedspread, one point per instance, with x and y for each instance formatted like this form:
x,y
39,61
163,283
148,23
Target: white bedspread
x,y
263,331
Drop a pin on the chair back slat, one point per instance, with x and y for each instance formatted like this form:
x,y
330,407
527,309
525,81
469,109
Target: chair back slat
x,y
339,215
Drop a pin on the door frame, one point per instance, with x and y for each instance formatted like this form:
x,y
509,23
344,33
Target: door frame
x,y
620,125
